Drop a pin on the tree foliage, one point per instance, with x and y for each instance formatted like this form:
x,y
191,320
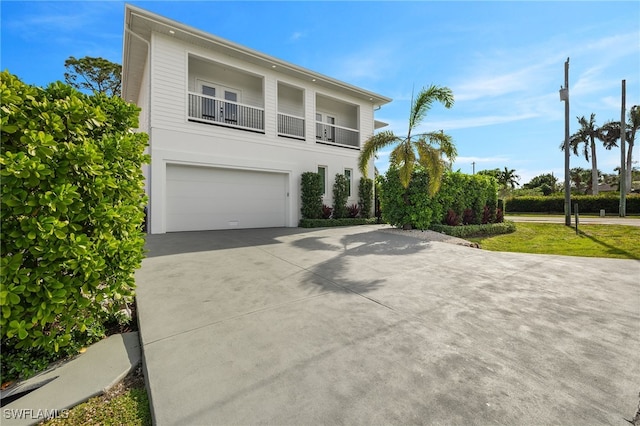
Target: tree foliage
x,y
547,183
97,75
72,209
427,149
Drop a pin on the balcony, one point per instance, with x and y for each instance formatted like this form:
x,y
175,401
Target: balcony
x,y
290,126
216,111
338,135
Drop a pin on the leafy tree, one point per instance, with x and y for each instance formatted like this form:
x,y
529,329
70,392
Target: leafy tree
x,y
430,147
495,173
97,75
547,183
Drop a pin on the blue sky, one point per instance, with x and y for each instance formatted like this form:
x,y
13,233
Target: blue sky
x,y
504,61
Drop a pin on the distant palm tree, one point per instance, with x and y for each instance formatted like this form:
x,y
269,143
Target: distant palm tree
x,y
426,149
508,178
610,133
586,136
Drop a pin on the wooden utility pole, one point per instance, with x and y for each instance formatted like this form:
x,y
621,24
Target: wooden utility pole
x,y
564,96
623,172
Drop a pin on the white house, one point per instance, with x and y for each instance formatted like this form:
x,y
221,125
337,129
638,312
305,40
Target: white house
x,y
232,129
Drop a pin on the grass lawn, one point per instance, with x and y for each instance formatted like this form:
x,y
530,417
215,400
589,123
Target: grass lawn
x,y
126,403
615,241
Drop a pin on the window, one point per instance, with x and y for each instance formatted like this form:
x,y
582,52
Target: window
x,y
322,171
347,173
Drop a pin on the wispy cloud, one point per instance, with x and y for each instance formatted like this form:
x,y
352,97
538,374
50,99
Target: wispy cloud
x,y
297,36
469,122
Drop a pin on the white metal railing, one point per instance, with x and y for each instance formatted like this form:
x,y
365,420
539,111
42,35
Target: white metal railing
x,y
290,125
331,133
208,109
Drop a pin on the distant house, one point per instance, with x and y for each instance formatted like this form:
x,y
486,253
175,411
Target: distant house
x,y
232,129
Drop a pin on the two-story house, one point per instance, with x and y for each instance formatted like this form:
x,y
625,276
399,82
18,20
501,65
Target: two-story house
x,y
232,129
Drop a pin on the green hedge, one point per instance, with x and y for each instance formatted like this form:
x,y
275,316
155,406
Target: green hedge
x,y
475,230
327,223
610,202
458,192
72,211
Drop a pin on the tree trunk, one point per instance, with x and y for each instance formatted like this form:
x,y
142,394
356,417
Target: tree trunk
x,y
594,168
407,202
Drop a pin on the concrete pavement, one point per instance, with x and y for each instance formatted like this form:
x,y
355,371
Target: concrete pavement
x,y
70,383
358,326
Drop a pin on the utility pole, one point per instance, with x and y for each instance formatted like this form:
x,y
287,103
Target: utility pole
x,y
564,96
623,173
474,167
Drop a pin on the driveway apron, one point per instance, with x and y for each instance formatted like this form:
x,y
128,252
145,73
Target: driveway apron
x,y
359,326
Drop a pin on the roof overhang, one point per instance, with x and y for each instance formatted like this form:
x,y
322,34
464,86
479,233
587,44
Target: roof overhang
x,y
140,24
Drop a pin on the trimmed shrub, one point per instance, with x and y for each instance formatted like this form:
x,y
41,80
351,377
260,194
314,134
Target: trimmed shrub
x,y
340,195
365,197
311,193
475,230
72,211
610,202
326,223
458,193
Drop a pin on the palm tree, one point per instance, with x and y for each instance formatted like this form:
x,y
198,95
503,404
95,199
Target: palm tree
x,y
586,136
610,133
508,178
430,147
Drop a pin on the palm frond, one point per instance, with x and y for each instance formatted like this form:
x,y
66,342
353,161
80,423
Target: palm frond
x,y
404,159
443,141
373,145
423,102
430,159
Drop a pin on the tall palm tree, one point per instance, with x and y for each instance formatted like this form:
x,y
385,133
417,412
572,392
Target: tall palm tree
x,y
610,133
430,147
586,136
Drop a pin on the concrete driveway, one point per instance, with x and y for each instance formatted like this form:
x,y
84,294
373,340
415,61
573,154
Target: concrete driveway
x,y
358,326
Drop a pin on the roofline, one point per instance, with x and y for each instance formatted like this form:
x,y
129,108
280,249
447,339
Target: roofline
x,y
130,10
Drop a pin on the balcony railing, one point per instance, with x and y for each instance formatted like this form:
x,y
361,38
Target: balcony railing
x,y
332,134
207,109
290,126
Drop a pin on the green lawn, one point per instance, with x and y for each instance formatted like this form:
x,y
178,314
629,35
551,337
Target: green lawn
x,y
615,241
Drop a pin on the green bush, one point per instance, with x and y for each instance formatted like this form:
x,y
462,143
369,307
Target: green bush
x,y
340,195
475,230
311,189
610,202
365,196
72,211
402,207
458,193
327,223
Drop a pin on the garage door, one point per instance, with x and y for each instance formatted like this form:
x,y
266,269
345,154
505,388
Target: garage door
x,y
204,198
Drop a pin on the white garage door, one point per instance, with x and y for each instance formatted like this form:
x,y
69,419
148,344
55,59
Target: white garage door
x,y
204,198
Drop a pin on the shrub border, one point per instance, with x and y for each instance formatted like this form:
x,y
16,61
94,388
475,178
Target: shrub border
x,y
475,230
